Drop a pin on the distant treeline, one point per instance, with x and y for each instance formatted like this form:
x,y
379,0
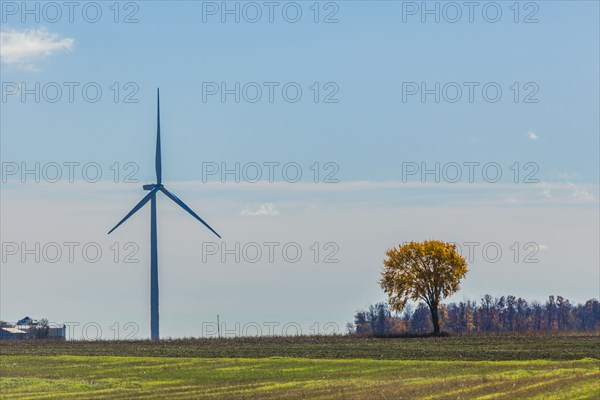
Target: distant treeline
x,y
491,314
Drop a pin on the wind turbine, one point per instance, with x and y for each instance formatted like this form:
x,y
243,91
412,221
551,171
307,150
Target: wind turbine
x,y
151,197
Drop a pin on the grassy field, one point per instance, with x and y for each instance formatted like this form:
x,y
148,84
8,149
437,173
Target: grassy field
x,y
486,367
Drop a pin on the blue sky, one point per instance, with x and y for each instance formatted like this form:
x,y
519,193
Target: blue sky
x,y
369,135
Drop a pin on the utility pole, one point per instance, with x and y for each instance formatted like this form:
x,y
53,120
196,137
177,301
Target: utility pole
x,y
218,327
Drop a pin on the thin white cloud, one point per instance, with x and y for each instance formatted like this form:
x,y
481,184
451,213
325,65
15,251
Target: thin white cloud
x,y
357,186
545,191
577,191
570,177
267,209
23,48
543,247
532,135
472,194
580,194
473,139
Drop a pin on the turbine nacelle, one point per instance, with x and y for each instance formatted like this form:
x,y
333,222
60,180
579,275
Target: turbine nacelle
x,y
152,186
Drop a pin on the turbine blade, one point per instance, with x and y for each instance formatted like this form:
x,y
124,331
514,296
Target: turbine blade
x,y
136,208
158,162
186,208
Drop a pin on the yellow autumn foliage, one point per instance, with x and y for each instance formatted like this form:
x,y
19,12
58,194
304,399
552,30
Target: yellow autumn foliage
x,y
426,271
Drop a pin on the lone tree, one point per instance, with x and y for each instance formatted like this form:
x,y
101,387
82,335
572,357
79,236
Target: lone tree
x,y
428,271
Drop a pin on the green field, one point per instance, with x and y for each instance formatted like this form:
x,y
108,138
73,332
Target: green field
x,y
465,367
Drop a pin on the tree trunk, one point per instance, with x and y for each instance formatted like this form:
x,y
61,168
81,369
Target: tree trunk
x,y
435,319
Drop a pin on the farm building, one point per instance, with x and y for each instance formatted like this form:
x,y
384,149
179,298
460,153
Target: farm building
x,y
28,328
57,332
12,333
